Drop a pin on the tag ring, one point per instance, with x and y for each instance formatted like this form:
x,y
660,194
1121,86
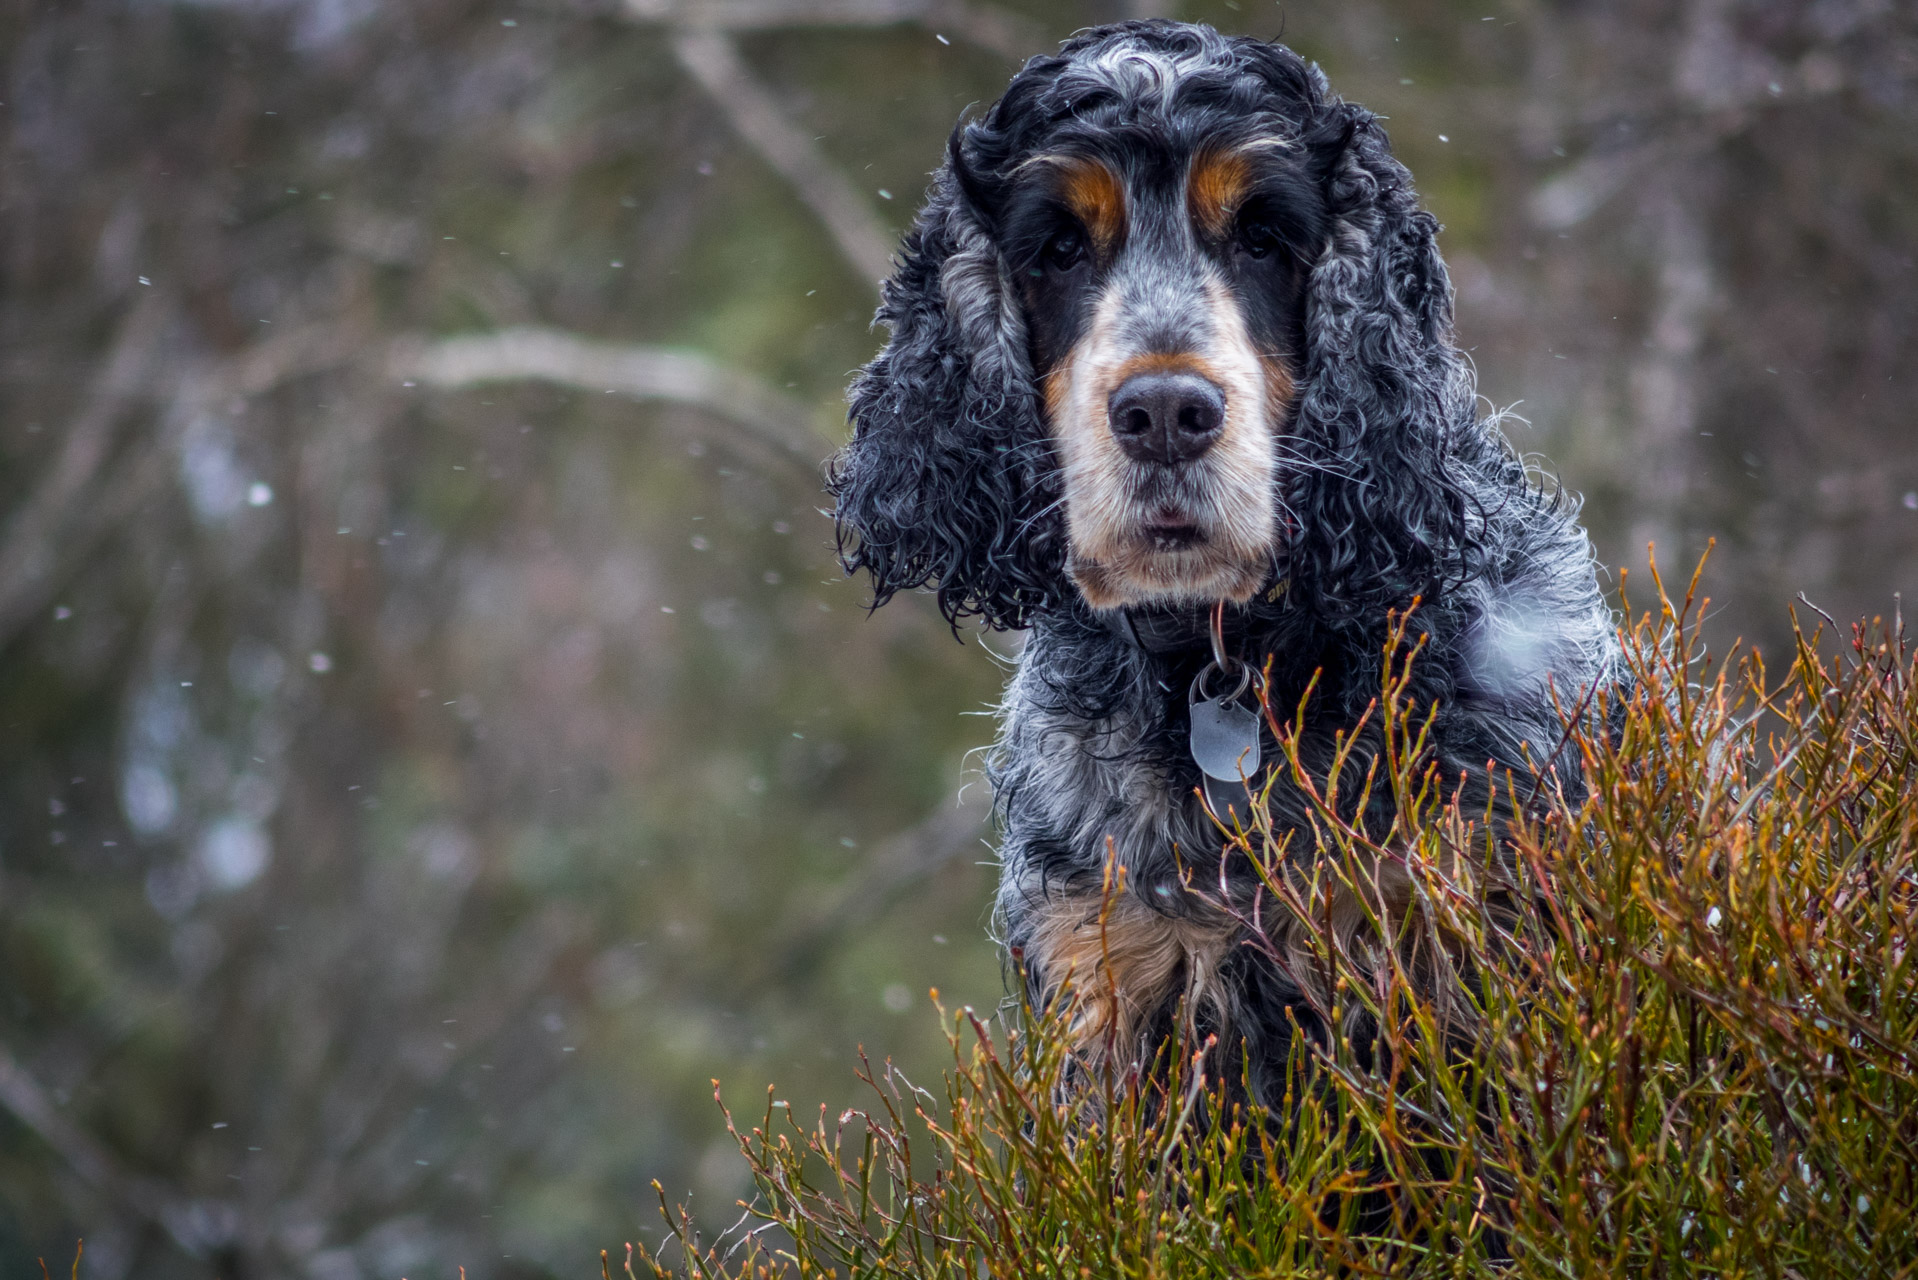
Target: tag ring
x,y
1222,662
1197,692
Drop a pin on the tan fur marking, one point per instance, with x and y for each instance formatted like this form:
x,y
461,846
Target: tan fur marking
x,y
1214,188
1166,362
1096,197
1279,386
1122,961
1058,385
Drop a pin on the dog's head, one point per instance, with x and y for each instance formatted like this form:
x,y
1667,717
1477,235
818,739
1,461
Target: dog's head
x,y
1170,327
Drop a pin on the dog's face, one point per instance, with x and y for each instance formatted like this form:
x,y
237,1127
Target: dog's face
x,y
1170,326
1163,273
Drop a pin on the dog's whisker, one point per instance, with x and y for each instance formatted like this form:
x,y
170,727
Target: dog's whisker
x,y
1042,512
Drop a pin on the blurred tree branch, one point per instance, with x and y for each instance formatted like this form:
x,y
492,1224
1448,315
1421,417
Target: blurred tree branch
x,y
28,543
710,56
367,1096
87,492
27,1101
713,60
81,498
987,26
774,425
773,431
907,859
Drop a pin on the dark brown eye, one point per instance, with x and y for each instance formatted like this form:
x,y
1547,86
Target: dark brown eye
x,y
1065,250
1259,237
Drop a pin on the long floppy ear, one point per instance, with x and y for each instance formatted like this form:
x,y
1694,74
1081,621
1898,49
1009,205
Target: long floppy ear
x,y
1382,509
945,482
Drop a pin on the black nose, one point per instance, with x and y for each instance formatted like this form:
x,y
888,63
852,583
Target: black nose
x,y
1167,418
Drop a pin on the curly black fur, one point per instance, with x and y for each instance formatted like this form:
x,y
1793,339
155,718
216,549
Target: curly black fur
x,y
1391,488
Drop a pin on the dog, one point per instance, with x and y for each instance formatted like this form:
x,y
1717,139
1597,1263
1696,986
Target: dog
x,y
1171,386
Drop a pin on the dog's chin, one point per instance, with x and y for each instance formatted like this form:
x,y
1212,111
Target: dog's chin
x,y
1165,564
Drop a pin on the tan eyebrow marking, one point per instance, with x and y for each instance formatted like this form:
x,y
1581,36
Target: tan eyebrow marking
x,y
1096,197
1215,186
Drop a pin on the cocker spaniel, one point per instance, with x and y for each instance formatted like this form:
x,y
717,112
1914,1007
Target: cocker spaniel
x,y
1171,340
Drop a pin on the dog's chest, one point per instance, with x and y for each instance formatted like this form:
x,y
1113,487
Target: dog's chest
x,y
1094,760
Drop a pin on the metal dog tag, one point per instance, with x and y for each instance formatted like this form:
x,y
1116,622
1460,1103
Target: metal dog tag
x,y
1225,739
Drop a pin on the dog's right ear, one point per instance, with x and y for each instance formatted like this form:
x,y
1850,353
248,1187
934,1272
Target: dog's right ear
x,y
945,482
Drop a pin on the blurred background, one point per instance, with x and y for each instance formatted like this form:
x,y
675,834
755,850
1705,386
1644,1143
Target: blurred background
x,y
435,739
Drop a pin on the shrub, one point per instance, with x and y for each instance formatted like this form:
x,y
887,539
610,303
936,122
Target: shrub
x,y
1665,1028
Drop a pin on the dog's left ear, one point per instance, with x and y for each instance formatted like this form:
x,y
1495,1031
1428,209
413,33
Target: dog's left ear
x,y
944,482
1386,397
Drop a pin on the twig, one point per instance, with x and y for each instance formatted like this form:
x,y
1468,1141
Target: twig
x,y
22,1096
712,59
29,547
987,26
360,1090
990,27
904,860
44,543
775,425
1831,621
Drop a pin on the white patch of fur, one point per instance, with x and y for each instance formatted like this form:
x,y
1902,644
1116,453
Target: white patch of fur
x,y
1141,73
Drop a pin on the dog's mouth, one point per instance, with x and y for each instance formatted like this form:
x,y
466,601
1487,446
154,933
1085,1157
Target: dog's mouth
x,y
1176,552
1171,532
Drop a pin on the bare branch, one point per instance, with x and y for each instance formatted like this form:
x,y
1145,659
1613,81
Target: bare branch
x,y
81,501
985,25
22,1096
363,1086
1013,37
902,862
713,60
775,426
77,504
29,547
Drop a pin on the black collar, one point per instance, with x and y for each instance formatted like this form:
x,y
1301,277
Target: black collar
x,y
1162,630
1173,630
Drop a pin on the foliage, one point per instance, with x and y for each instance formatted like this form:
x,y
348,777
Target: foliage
x,y
1670,1031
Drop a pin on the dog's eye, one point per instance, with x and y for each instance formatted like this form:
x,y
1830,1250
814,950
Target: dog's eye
x,y
1065,250
1260,237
